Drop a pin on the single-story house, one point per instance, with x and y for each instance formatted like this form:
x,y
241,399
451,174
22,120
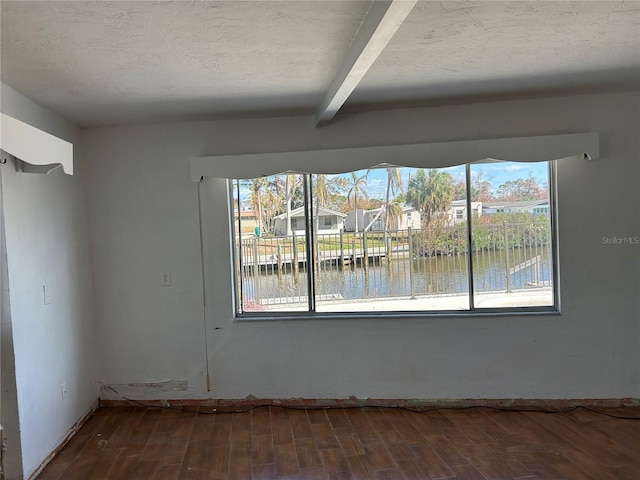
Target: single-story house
x,y
458,210
539,207
374,220
329,221
248,218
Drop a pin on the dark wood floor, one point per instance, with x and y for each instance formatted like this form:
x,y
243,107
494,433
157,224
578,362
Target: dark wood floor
x,y
367,443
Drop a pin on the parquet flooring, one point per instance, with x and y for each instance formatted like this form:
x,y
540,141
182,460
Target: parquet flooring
x,y
357,443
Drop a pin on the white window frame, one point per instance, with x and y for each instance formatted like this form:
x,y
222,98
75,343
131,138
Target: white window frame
x,y
472,311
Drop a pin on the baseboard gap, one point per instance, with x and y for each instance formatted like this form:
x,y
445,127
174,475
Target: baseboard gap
x,y
251,402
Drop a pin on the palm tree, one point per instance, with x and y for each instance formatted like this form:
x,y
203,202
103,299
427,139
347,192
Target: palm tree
x,y
284,192
430,193
325,189
257,187
281,190
271,206
394,211
356,187
322,195
288,192
394,185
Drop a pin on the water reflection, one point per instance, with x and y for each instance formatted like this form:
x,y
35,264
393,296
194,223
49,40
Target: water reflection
x,y
431,275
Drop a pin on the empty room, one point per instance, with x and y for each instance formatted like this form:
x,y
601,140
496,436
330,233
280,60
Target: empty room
x,y
320,240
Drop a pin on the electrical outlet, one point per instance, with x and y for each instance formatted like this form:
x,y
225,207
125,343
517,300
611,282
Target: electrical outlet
x,y
165,280
64,390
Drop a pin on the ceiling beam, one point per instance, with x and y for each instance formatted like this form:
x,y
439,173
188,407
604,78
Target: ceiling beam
x,y
381,23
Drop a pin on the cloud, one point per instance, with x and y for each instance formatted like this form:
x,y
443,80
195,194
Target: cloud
x,y
516,168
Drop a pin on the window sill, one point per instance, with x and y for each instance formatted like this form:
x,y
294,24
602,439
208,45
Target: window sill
x,y
307,316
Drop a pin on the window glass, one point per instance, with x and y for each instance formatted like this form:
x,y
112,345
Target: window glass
x,y
270,273
512,240
395,239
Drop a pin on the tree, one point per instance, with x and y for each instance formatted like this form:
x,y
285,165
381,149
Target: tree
x,y
271,206
480,189
288,192
521,189
356,188
460,190
284,191
257,187
326,188
394,211
431,193
394,185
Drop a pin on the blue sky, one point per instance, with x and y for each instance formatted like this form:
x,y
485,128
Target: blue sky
x,y
496,173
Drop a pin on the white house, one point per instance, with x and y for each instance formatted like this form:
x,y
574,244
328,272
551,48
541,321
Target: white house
x,y
410,218
329,221
373,220
458,210
528,206
248,218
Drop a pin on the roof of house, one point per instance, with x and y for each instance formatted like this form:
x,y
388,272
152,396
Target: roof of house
x,y
247,213
405,208
299,212
463,203
520,203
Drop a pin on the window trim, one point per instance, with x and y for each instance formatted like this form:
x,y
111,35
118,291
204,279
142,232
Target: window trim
x,y
473,311
418,155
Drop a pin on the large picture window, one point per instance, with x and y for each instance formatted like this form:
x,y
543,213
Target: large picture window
x,y
469,238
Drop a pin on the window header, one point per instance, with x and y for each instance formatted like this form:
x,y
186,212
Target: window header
x,y
420,155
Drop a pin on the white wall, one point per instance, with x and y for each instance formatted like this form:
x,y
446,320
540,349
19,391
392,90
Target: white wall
x,y
8,393
145,221
47,243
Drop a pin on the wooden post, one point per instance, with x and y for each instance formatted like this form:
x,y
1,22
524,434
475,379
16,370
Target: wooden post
x,y
365,253
353,250
366,283
506,254
411,280
295,254
294,261
256,267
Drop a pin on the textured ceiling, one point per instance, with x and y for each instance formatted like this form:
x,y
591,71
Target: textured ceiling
x,y
449,50
100,63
